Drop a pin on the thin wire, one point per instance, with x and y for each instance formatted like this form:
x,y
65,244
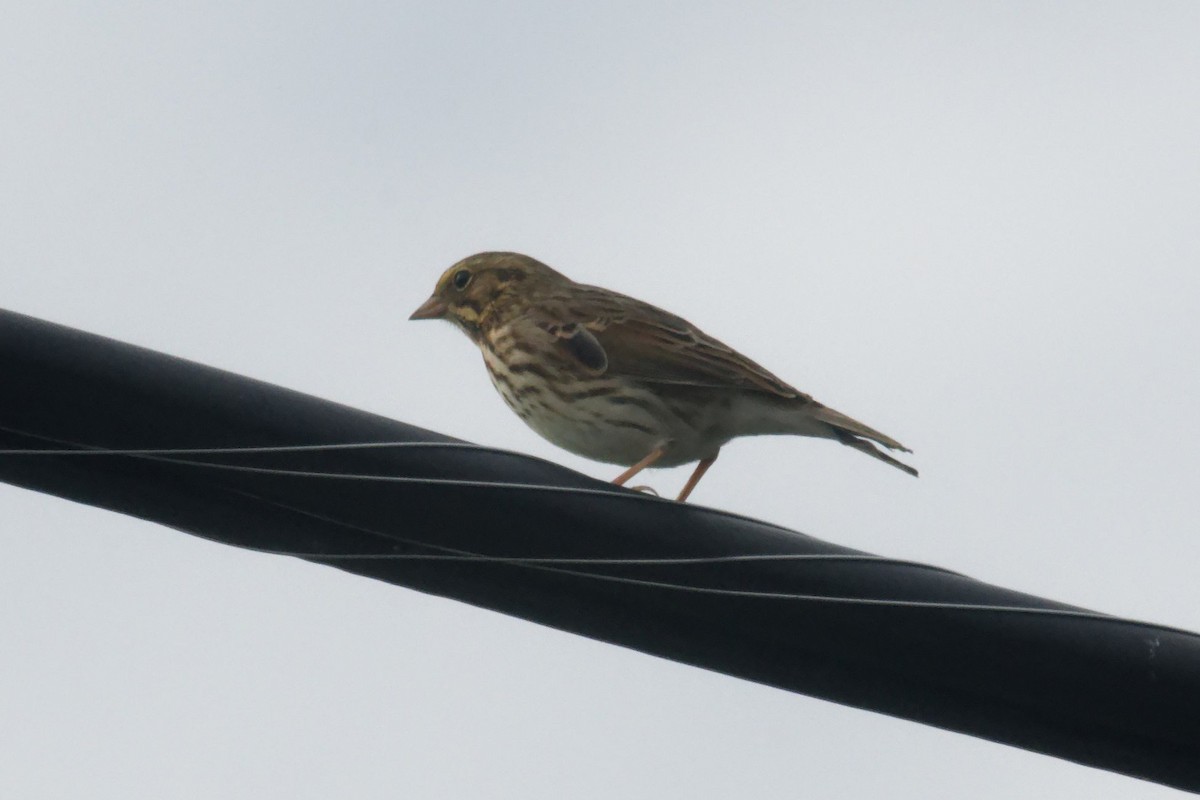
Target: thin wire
x,y
551,488
158,454
747,594
624,562
474,484
665,561
543,487
165,455
355,476
545,563
150,454
450,482
287,448
172,451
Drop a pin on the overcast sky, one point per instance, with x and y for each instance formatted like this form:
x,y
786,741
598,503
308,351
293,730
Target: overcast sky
x,y
970,225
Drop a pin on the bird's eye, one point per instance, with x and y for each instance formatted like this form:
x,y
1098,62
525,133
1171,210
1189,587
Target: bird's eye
x,y
461,279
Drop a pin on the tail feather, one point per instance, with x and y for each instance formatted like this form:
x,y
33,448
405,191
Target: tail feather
x,y
863,446
853,433
842,422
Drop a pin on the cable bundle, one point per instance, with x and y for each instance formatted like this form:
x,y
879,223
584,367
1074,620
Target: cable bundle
x,y
256,466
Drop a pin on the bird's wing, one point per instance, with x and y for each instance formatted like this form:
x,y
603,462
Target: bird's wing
x,y
640,341
576,340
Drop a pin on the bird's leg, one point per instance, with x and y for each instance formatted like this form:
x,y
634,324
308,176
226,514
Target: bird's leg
x,y
697,474
655,455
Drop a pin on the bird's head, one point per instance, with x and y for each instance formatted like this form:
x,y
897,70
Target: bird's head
x,y
485,287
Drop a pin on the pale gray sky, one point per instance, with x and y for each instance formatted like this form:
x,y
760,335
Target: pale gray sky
x,y
973,226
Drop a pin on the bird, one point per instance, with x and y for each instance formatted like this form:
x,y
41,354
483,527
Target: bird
x,y
617,380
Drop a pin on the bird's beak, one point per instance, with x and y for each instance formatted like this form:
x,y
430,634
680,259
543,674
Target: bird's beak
x,y
433,308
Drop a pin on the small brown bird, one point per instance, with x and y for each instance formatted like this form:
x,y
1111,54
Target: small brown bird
x,y
617,380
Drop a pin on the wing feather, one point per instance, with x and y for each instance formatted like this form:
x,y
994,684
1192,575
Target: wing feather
x,y
650,345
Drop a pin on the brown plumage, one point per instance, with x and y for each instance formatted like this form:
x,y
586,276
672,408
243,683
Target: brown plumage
x,y
614,379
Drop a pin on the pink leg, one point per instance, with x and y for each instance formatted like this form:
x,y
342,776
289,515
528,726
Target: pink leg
x,y
701,468
655,455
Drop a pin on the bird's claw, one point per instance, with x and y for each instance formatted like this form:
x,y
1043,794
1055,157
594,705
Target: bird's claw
x,y
645,490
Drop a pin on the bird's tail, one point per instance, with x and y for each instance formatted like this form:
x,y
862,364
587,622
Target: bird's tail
x,y
853,433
